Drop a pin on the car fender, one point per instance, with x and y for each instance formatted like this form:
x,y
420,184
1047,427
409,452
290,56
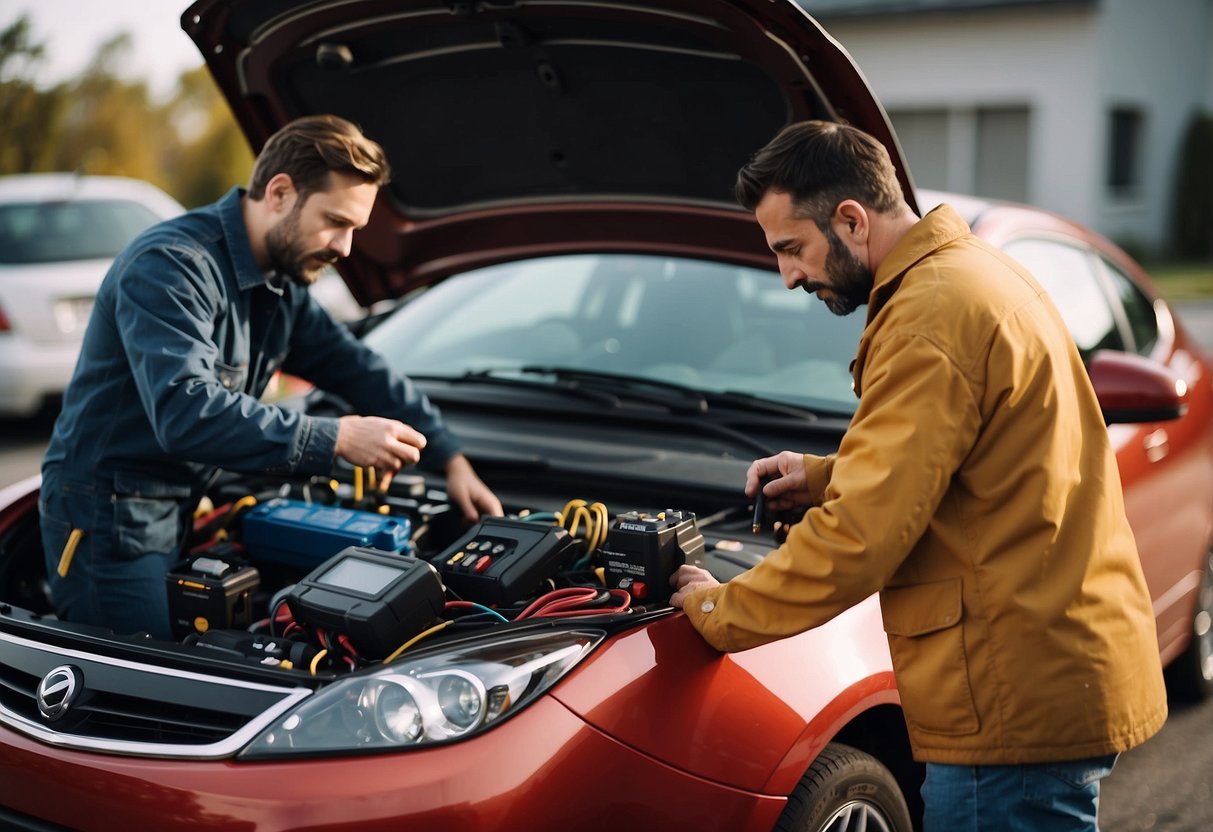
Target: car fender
x,y
754,719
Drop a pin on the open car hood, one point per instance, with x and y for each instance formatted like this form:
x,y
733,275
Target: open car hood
x,y
518,129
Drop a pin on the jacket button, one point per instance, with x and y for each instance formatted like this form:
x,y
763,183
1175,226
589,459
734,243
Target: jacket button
x,y
707,606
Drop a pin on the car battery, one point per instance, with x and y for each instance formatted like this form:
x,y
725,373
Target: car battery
x,y
303,535
642,551
211,591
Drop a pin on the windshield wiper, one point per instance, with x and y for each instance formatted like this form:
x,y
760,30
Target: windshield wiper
x,y
697,400
493,377
587,384
689,400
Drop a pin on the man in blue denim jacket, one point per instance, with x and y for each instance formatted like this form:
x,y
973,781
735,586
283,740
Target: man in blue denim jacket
x,y
188,327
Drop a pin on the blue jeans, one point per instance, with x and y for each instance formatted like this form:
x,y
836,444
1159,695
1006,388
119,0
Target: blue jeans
x,y
1041,797
132,532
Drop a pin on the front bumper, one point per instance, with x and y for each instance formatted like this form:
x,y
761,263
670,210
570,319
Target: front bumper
x,y
544,769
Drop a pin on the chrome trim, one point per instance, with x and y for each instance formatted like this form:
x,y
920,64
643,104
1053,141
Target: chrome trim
x,y
57,691
227,747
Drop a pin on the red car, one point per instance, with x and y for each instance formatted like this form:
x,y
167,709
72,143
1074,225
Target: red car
x,y
607,333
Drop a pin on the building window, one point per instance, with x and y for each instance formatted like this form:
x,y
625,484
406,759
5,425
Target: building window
x,y
923,135
1002,153
1125,129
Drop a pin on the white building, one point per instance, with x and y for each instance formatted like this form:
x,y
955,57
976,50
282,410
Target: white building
x,y
1079,106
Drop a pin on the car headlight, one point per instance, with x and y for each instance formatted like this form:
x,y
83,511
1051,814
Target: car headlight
x,y
430,699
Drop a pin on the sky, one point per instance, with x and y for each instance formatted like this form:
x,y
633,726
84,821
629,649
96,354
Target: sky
x,y
71,31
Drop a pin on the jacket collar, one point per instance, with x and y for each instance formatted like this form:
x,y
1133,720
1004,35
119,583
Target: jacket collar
x,y
231,219
942,225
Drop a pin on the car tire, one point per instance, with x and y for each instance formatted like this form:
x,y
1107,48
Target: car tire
x,y
1190,676
846,790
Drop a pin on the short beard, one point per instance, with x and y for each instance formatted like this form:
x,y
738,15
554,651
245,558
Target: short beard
x,y
851,280
285,251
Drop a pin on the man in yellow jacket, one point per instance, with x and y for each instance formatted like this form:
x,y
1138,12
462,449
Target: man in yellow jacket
x,y
975,490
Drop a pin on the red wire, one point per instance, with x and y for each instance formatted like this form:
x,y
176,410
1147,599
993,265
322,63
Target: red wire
x,y
570,601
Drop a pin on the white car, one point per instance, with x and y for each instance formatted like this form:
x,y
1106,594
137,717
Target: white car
x,y
58,234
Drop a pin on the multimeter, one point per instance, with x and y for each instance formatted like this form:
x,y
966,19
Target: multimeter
x,y
378,599
502,561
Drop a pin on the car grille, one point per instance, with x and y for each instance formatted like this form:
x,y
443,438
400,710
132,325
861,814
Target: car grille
x,y
136,708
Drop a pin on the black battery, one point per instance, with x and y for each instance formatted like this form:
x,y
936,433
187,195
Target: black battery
x,y
643,550
211,591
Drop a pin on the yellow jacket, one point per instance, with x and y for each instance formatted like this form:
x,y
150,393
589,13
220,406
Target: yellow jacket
x,y
977,492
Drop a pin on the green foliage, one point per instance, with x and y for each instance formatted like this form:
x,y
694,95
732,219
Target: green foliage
x,y
1194,191
99,123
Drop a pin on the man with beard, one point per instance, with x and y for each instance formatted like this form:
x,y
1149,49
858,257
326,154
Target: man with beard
x,y
188,327
975,490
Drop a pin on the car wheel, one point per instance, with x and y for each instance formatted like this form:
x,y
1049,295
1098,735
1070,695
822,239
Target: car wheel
x,y
1190,676
846,790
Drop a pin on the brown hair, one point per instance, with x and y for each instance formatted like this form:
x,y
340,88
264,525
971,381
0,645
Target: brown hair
x,y
308,149
820,164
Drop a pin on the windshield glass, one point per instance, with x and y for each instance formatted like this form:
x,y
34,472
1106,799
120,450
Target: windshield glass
x,y
52,232
712,326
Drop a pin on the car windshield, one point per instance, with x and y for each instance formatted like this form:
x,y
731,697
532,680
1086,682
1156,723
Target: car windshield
x,y
51,232
705,325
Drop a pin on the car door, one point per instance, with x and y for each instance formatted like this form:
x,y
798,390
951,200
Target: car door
x,y
1160,462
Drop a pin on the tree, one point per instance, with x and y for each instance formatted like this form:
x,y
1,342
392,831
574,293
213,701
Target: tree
x,y
212,154
28,114
100,123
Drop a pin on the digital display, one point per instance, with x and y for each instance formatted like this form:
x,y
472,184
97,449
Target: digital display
x,y
359,576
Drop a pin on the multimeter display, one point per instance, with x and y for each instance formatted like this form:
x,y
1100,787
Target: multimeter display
x,y
359,575
379,599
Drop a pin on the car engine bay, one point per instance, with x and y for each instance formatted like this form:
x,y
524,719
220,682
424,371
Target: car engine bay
x,y
333,575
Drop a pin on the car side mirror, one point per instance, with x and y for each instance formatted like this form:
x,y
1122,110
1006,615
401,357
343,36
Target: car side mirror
x,y
1131,388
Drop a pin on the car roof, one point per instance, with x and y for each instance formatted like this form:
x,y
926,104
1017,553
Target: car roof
x,y
64,187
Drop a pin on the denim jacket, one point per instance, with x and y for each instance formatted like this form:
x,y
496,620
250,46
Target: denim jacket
x,y
185,334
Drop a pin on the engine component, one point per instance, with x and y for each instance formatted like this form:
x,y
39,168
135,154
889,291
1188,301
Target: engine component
x,y
257,648
211,591
643,550
503,561
377,599
303,535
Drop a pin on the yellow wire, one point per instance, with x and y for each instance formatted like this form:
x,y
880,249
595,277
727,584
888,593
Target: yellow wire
x,y
316,660
579,514
415,639
604,523
595,516
248,500
563,516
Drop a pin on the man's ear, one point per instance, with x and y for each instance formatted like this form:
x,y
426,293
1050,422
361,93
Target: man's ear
x,y
851,221
280,193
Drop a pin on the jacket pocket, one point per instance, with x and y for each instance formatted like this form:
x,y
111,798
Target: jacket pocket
x,y
231,376
926,639
149,516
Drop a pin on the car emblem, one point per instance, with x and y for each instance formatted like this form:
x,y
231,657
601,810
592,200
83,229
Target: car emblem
x,y
58,690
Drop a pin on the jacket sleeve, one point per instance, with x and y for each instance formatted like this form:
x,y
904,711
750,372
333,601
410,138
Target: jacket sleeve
x,y
168,300
347,368
916,421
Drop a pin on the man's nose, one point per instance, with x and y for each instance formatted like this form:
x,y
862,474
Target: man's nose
x,y
342,241
791,274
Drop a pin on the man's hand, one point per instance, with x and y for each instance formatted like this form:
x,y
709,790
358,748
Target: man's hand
x,y
468,491
787,488
686,580
372,441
